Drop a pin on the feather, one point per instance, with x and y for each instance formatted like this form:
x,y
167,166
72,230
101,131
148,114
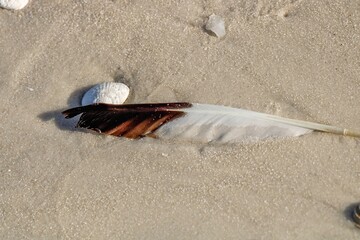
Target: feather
x,y
200,122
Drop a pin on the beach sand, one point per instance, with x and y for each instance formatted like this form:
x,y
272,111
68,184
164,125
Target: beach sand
x,y
297,59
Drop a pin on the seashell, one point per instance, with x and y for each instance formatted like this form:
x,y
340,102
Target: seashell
x,y
13,4
107,92
216,25
356,216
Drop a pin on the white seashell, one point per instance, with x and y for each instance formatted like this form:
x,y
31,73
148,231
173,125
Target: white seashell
x,y
216,25
107,92
13,4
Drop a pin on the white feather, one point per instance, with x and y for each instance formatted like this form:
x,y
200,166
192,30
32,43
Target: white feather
x,y
211,123
199,122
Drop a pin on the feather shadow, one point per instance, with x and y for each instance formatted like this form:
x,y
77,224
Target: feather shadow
x,y
73,101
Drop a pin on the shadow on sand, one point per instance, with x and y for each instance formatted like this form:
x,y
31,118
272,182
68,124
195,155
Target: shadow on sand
x,y
349,212
73,101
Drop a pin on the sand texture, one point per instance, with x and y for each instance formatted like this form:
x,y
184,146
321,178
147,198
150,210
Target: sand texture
x,y
298,59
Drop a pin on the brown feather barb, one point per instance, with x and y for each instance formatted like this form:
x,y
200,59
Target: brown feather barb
x,y
130,121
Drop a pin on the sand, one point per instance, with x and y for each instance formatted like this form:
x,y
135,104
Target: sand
x,y
297,59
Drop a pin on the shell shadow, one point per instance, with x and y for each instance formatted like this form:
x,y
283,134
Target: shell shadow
x,y
73,101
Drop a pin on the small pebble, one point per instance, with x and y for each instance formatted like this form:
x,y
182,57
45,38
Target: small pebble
x,y
13,4
216,25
